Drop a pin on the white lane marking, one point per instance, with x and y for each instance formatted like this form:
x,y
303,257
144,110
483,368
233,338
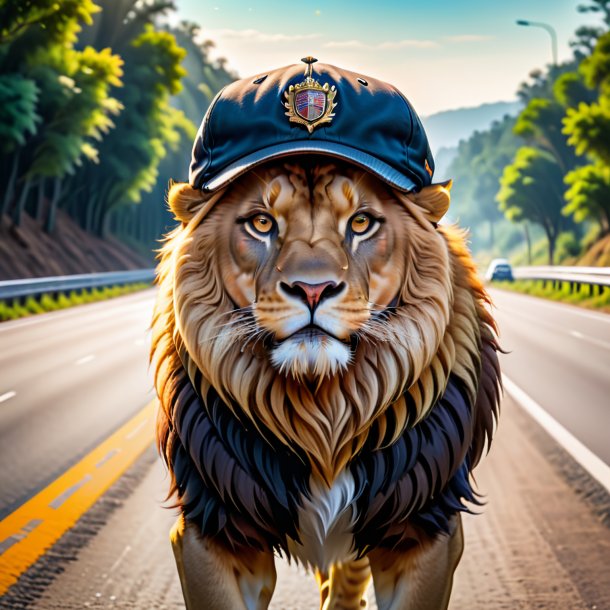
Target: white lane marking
x,y
575,309
108,456
136,430
120,558
596,467
61,498
7,543
85,359
7,395
597,342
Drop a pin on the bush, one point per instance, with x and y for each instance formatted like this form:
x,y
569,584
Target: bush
x,y
568,246
538,288
48,303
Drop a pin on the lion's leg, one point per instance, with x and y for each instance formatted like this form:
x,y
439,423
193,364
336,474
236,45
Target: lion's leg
x,y
214,579
323,585
419,579
343,588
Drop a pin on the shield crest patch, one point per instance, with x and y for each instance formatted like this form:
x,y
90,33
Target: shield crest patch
x,y
310,104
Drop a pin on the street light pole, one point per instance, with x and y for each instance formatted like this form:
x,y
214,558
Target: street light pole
x,y
545,26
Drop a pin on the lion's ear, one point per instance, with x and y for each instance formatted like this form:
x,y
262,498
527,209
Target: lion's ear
x,y
434,199
184,200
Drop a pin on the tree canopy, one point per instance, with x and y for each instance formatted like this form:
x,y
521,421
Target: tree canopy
x,y
92,100
549,166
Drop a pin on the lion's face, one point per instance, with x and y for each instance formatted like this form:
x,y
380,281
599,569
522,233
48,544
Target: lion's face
x,y
314,299
314,254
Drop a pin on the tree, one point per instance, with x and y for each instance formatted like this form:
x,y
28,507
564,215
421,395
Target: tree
x,y
131,153
584,43
588,129
540,124
532,188
589,195
72,103
18,120
476,170
597,6
58,19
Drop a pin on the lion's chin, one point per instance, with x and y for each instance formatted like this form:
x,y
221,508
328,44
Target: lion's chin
x,y
310,354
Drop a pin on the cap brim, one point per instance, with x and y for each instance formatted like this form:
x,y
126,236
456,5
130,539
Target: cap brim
x,y
365,161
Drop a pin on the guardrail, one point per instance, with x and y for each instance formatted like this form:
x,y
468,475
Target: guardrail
x,y
577,277
19,289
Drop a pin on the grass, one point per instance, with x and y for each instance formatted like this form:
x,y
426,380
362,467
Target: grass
x,y
46,302
537,288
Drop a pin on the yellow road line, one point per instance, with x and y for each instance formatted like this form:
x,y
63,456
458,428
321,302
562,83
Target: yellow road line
x,y
28,532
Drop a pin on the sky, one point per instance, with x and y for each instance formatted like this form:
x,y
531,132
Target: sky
x,y
441,54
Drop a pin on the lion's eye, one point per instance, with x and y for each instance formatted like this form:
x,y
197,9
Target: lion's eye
x,y
262,223
361,224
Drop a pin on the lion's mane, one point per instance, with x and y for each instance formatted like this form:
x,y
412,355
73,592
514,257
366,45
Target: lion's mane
x,y
241,440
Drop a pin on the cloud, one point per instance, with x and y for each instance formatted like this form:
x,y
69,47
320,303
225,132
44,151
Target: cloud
x,y
415,44
257,36
382,46
468,38
345,44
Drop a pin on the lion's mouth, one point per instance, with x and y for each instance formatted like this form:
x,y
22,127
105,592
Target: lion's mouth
x,y
313,332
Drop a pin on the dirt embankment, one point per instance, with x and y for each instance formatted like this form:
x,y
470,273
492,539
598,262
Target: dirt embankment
x,y
27,251
598,255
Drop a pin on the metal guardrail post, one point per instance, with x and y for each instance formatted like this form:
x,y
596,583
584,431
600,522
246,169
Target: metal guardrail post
x,y
596,278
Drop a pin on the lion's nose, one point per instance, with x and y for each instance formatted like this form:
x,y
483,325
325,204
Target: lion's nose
x,y
312,294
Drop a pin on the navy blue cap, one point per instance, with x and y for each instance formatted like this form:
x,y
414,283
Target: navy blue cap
x,y
337,113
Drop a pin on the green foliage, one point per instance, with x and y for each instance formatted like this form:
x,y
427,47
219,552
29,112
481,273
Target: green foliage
x,y
18,117
601,7
595,68
585,297
588,129
93,98
568,247
46,303
58,19
540,124
476,170
589,194
570,89
532,188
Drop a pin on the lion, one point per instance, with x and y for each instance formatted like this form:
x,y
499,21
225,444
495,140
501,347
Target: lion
x,y
328,378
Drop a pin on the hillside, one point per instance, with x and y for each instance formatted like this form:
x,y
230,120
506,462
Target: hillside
x,y
26,251
445,129
598,255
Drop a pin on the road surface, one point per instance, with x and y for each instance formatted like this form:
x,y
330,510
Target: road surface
x,y
560,356
67,380
542,541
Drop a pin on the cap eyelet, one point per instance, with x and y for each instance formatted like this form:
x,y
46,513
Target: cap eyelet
x,y
259,80
362,82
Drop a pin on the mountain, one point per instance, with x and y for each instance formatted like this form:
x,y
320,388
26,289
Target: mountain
x,y
445,129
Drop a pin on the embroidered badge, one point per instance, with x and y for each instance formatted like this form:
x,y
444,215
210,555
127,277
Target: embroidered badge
x,y
309,103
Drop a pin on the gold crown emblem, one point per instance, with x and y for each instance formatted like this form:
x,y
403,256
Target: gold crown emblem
x,y
309,103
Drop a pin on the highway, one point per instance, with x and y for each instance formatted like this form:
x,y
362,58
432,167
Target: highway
x,y
69,380
560,356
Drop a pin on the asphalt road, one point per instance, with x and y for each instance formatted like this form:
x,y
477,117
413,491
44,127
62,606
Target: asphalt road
x,y
560,356
67,380
538,543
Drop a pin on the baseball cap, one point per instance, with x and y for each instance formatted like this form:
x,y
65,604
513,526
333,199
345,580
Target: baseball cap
x,y
321,110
